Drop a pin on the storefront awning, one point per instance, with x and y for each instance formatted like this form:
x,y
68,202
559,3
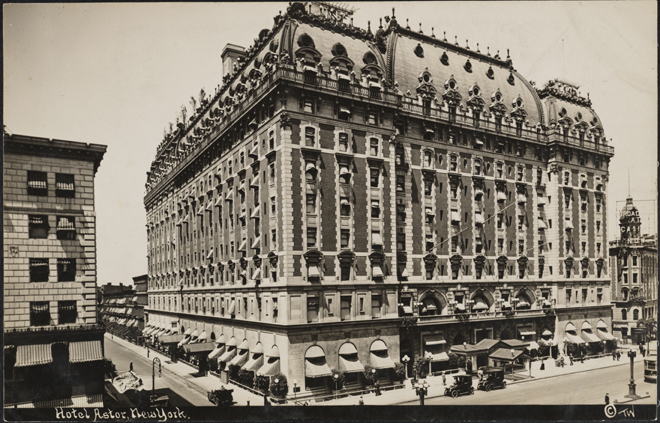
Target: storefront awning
x,y
228,355
83,351
434,340
604,334
200,348
573,338
271,368
379,356
240,358
589,336
255,362
33,355
349,363
527,333
505,354
441,356
316,367
217,352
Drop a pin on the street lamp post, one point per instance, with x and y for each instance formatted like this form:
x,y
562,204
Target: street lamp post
x,y
513,354
631,386
405,361
336,378
153,374
422,389
429,357
295,382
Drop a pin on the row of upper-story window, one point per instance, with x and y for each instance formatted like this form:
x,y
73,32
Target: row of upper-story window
x,y
40,269
67,313
37,184
635,314
39,227
581,296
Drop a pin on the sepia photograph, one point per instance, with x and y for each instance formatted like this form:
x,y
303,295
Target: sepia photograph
x,y
349,211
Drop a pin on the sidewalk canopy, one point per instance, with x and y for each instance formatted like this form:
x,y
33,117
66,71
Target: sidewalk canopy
x,y
589,336
315,363
199,348
33,355
272,365
533,345
515,343
172,339
83,351
505,354
482,347
348,359
379,357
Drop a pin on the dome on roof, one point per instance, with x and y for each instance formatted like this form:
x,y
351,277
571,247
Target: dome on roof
x,y
564,106
629,210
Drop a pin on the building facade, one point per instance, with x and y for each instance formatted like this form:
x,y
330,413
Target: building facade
x,y
350,198
634,263
122,309
51,333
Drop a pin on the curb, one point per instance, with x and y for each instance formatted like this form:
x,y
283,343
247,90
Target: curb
x,y
564,374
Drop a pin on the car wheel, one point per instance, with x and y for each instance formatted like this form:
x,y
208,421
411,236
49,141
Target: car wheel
x,y
504,384
454,394
488,387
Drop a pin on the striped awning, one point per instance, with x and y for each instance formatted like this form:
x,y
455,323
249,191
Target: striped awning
x,y
33,355
271,368
83,351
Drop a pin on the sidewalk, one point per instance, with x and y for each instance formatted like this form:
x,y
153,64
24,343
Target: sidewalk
x,y
201,384
436,388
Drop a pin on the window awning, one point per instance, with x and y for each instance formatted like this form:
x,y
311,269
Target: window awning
x,y
344,202
541,201
256,244
478,141
316,367
33,355
542,224
404,272
257,273
501,196
478,193
343,109
254,152
349,363
589,336
244,345
505,354
479,219
218,201
376,271
480,306
313,271
438,357
217,352
209,206
434,340
255,213
240,358
229,196
255,362
270,368
455,216
242,246
343,170
604,334
430,212
573,338
202,337
210,254
527,333
255,181
232,310
375,204
172,339
381,360
546,333
407,310
203,348
376,239
568,225
522,198
228,355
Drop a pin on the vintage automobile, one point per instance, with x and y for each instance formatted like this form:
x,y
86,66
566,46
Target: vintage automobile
x,y
221,397
492,378
462,385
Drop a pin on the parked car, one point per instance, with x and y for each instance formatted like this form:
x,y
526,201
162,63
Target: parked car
x,y
462,385
221,396
492,378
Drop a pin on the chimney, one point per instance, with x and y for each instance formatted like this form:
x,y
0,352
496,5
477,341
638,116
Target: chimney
x,y
230,55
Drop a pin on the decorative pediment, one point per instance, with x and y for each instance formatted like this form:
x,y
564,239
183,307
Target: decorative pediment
x,y
430,260
272,258
256,260
313,257
346,257
455,261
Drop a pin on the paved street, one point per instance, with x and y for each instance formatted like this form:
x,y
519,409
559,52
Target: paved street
x,y
578,388
122,357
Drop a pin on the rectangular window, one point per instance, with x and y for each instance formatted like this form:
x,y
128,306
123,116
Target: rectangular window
x,y
311,203
346,301
429,243
500,246
454,244
361,307
66,270
308,105
373,146
296,308
310,137
272,172
584,296
478,245
39,270
344,207
400,183
428,159
401,241
312,309
375,209
343,142
66,227
376,301
38,226
66,312
521,222
37,183
374,174
428,187
583,225
599,203
39,313
273,238
371,118
500,220
311,237
634,260
499,170
345,273
569,292
521,247
634,277
598,227
345,238
272,206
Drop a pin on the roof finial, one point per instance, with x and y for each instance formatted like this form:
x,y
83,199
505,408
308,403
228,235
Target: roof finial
x,y
368,26
380,26
478,51
467,46
456,39
393,17
488,50
407,26
432,32
420,28
444,36
351,21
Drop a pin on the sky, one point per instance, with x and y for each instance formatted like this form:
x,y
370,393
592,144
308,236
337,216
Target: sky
x,y
117,74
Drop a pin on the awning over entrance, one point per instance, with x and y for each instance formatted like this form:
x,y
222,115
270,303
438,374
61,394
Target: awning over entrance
x,y
379,356
573,338
84,351
315,363
505,354
33,355
172,339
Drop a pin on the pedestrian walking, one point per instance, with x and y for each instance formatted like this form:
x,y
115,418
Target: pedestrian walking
x,y
361,400
543,365
444,379
480,373
377,386
613,355
130,367
582,358
570,357
607,399
618,356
